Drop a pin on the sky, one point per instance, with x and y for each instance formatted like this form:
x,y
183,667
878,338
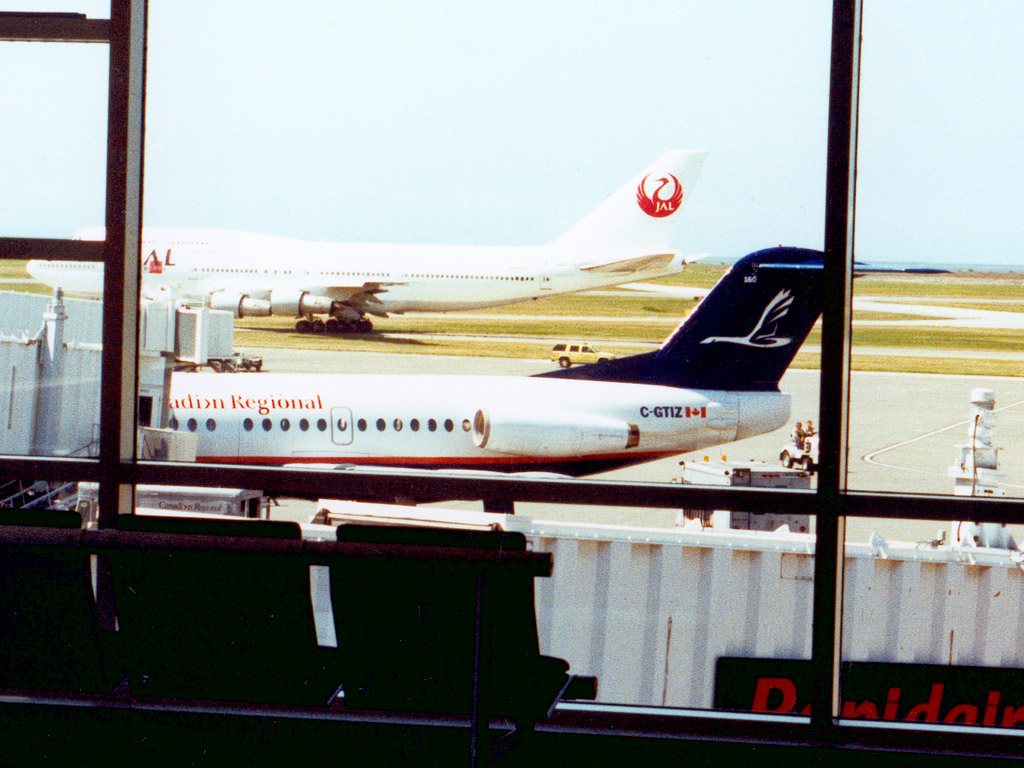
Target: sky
x,y
505,123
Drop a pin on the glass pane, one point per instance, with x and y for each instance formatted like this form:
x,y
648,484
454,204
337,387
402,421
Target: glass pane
x,y
395,124
54,168
938,175
54,136
50,358
927,636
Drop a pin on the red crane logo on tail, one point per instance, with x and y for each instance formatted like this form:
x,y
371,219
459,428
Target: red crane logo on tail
x,y
655,203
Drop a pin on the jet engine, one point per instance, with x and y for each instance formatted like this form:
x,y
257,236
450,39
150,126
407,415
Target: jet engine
x,y
295,302
551,433
283,301
239,304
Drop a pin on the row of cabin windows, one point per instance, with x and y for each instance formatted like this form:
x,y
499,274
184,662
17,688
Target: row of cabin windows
x,y
398,425
414,424
522,278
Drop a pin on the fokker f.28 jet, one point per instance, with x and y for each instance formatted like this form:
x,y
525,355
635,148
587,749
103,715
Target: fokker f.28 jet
x,y
624,239
714,380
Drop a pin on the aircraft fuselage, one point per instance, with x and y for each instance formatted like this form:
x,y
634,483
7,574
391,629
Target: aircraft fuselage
x,y
427,278
458,422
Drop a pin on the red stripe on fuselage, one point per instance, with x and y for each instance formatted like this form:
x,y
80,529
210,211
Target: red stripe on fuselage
x,y
512,463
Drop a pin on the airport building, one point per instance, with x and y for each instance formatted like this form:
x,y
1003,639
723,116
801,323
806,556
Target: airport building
x,y
748,624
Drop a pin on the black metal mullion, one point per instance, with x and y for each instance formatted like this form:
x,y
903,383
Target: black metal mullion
x,y
25,248
424,484
835,356
28,27
121,256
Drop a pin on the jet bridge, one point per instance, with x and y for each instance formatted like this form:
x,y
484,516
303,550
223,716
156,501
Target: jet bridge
x,y
50,360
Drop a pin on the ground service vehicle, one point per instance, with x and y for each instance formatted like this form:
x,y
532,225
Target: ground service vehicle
x,y
805,456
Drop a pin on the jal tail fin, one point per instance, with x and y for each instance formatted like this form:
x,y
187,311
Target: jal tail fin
x,y
643,213
742,336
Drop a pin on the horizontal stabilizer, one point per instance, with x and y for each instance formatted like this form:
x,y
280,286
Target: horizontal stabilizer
x,y
654,262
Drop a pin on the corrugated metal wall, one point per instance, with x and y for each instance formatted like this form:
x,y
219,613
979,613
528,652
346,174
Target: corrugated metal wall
x,y
906,610
650,617
23,313
78,420
76,424
18,374
79,427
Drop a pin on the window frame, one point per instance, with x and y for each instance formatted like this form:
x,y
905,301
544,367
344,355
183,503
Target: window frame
x,y
118,471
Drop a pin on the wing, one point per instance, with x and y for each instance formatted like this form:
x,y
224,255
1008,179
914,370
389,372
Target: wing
x,y
365,300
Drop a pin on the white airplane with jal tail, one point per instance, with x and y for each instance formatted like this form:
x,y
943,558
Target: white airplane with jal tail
x,y
624,239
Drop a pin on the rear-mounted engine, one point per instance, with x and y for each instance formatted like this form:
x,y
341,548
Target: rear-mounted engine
x,y
552,433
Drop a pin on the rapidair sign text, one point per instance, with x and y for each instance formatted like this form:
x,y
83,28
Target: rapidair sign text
x,y
927,693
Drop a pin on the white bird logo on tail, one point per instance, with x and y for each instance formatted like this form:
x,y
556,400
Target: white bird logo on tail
x,y
764,332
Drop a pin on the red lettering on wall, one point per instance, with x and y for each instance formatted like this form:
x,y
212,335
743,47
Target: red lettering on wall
x,y
1013,716
892,702
991,707
763,692
928,711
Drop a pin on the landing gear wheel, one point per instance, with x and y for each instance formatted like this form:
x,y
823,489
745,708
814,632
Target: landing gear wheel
x,y
333,325
303,326
317,326
364,325
565,362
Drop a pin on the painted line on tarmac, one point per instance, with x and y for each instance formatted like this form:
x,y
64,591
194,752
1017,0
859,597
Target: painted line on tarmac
x,y
870,458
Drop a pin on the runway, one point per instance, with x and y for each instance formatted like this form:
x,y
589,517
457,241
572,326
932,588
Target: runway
x,y
904,429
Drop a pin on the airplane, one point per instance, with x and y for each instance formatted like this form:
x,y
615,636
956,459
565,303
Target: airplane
x,y
714,380
626,238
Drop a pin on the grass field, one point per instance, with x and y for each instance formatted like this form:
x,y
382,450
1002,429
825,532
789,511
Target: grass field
x,y
623,322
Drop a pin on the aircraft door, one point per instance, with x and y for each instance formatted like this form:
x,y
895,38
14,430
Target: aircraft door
x,y
341,426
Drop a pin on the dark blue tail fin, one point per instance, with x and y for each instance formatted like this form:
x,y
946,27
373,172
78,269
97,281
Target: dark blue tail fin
x,y
742,336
